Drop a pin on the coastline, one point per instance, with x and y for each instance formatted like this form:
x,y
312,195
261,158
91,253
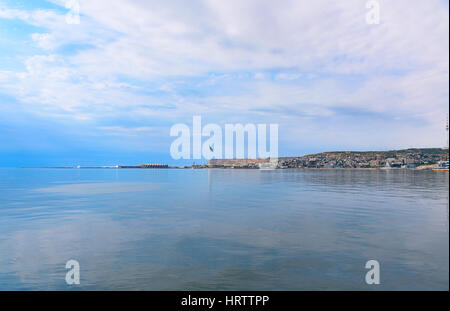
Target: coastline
x,y
247,168
411,159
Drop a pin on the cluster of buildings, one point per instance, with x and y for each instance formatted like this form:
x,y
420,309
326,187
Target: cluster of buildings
x,y
235,163
409,158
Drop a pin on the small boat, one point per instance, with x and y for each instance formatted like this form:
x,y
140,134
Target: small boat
x,y
443,167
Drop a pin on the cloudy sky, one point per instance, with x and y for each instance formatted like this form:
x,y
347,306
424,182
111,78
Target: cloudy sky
x,y
107,90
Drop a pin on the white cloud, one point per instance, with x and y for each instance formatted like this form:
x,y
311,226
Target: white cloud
x,y
400,65
287,76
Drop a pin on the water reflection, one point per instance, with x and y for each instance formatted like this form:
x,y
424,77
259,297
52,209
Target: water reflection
x,y
223,229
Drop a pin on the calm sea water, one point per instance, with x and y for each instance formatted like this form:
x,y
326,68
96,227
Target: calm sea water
x,y
223,229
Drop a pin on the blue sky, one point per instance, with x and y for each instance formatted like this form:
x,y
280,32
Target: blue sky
x,y
106,91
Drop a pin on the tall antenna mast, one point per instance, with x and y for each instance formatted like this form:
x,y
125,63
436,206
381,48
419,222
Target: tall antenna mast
x,y
446,131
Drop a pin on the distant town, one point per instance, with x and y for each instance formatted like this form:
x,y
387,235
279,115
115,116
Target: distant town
x,y
428,158
415,158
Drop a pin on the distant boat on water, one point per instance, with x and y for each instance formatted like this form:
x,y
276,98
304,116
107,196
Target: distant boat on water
x,y
443,166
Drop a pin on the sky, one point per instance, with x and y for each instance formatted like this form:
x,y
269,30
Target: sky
x,y
107,90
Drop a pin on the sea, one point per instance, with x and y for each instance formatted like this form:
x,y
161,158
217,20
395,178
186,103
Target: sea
x,y
223,229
